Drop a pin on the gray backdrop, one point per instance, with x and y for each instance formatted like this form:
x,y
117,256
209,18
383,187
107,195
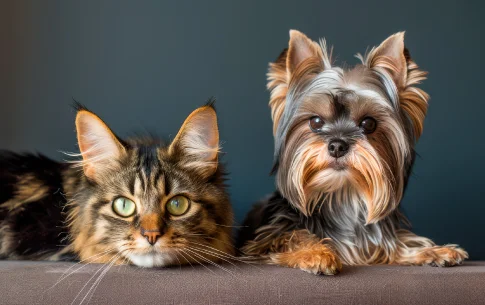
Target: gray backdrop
x,y
146,66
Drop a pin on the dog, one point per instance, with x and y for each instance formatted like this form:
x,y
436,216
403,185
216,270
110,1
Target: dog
x,y
344,150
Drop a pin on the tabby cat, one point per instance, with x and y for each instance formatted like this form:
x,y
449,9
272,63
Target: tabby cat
x,y
136,201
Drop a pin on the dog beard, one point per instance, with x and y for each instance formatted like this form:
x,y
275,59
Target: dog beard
x,y
313,178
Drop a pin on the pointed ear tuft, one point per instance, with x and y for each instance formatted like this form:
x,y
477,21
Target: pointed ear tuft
x,y
78,106
390,55
300,48
99,147
198,140
211,102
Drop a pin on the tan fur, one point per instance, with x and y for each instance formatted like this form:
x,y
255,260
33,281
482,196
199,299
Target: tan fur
x,y
150,222
28,189
300,249
7,240
278,84
417,250
443,256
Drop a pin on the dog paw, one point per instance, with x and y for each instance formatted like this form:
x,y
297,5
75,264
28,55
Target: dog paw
x,y
318,259
443,256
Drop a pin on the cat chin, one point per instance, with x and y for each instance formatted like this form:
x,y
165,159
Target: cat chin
x,y
150,260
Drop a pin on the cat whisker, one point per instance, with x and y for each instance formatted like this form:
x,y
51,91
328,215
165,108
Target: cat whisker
x,y
104,268
100,278
124,261
226,226
64,276
171,254
206,236
183,250
208,246
188,261
214,254
90,279
227,255
193,251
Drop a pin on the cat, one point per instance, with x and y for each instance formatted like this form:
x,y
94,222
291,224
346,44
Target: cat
x,y
134,201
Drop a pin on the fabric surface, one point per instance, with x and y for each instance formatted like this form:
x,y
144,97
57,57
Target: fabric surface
x,y
35,283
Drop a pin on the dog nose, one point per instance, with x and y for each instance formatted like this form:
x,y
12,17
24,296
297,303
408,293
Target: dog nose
x,y
338,148
151,235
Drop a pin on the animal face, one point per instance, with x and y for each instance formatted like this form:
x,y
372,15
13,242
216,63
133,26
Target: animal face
x,y
345,132
151,204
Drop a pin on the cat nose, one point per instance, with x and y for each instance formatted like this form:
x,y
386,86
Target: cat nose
x,y
151,235
338,148
150,227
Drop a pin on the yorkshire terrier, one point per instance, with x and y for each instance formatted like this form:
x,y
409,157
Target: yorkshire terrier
x,y
344,149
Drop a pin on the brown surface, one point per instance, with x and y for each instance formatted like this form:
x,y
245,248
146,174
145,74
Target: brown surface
x,y
29,283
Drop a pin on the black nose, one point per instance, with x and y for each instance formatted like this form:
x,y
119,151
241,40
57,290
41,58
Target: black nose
x,y
338,148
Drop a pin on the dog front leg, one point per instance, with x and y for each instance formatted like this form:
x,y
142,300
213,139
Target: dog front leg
x,y
297,249
417,250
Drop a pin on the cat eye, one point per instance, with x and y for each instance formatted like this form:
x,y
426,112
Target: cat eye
x,y
178,205
369,125
316,123
124,207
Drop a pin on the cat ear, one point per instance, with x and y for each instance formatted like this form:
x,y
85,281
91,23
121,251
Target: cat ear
x,y
100,148
198,140
390,55
300,48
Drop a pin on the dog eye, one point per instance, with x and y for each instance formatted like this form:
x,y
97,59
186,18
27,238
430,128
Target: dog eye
x,y
369,125
316,123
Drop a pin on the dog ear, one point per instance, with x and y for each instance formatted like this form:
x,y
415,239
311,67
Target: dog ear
x,y
99,146
198,140
390,55
300,48
393,58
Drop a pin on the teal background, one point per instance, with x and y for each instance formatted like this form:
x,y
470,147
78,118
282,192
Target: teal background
x,y
146,65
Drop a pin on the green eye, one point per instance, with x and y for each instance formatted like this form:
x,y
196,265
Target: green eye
x,y
124,207
178,205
